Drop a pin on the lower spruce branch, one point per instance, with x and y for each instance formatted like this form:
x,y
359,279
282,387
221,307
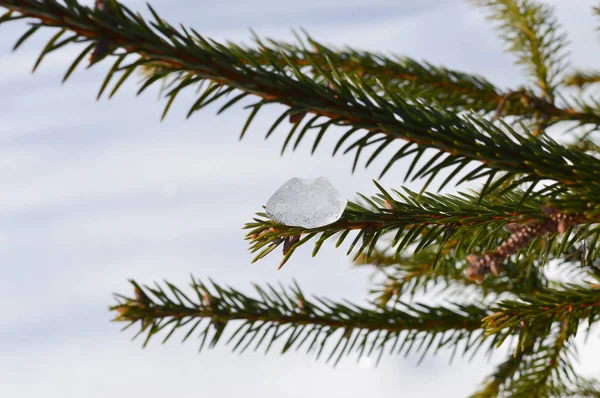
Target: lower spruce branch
x,y
503,374
545,372
540,368
416,274
288,316
589,388
569,304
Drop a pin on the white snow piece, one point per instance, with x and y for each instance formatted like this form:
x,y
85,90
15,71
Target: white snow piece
x,y
308,203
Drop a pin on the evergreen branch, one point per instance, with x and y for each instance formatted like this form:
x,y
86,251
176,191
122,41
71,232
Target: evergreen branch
x,y
540,369
532,32
385,99
463,223
582,78
435,272
421,273
589,388
399,75
568,304
452,89
503,374
547,371
287,316
425,218
348,102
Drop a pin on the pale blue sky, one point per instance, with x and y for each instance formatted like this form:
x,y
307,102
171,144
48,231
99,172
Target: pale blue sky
x,y
98,192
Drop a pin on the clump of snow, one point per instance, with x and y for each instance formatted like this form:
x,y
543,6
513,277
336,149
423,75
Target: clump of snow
x,y
308,203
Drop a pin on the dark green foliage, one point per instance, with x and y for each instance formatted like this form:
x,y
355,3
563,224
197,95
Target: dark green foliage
x,y
288,316
532,32
582,79
424,220
568,304
539,200
428,272
542,367
344,100
398,75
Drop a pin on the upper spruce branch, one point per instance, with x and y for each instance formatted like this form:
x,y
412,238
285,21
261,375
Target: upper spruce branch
x,y
532,32
347,100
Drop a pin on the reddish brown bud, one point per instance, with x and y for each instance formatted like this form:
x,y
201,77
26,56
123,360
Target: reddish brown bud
x,y
475,274
547,210
289,242
562,226
482,265
122,309
100,5
297,117
261,233
512,227
206,299
101,50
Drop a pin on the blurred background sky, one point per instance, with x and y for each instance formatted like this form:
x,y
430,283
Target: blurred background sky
x,y
94,193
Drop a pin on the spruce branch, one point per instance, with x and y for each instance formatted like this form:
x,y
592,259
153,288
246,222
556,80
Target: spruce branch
x,y
503,374
585,388
464,223
420,274
288,316
346,101
532,32
582,78
547,370
445,274
452,89
541,368
568,305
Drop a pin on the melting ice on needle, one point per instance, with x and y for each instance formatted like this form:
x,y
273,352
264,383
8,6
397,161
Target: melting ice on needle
x,y
308,203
